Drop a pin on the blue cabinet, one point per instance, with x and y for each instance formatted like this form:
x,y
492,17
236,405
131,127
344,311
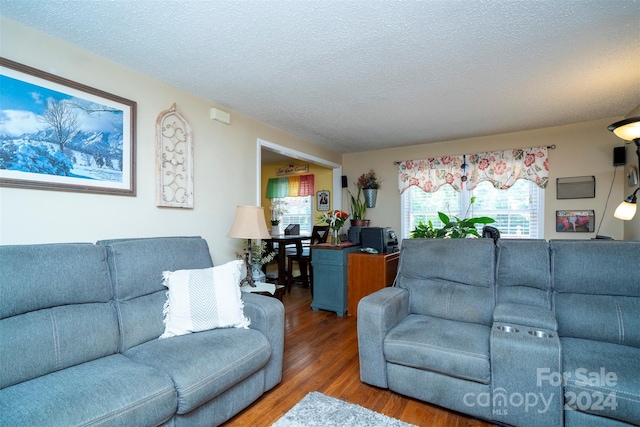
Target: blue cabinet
x,y
330,269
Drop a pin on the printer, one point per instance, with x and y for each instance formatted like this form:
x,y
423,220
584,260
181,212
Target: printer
x,y
382,239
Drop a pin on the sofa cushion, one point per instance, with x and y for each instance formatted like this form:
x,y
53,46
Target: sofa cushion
x,y
51,295
202,299
204,364
580,266
452,348
33,277
449,278
606,318
523,272
136,267
596,292
111,391
602,378
44,341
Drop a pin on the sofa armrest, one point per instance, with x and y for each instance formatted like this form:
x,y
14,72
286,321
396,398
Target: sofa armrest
x,y
525,315
377,314
267,316
526,364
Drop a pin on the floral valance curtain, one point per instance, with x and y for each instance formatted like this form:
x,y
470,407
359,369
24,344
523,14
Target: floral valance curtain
x,y
290,186
501,168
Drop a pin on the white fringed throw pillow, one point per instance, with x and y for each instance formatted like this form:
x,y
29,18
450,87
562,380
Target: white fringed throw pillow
x,y
199,300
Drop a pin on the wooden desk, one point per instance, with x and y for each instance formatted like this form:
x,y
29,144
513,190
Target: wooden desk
x,y
369,273
283,240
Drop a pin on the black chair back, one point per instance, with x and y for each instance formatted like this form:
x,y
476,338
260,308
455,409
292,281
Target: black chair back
x,y
319,234
491,233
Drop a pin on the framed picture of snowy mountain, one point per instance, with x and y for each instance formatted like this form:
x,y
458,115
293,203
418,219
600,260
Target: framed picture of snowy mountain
x,y
57,134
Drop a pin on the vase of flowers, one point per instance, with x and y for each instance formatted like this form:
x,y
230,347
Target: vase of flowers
x,y
335,220
369,183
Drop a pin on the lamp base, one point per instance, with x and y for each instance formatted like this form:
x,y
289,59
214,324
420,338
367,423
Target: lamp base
x,y
248,280
247,264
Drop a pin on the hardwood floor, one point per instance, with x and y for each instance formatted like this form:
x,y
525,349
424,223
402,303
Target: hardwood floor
x,y
321,354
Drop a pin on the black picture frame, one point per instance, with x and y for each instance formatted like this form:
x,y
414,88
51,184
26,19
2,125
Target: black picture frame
x,y
323,200
575,221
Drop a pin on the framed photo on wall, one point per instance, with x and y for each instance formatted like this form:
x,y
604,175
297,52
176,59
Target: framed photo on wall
x,y
575,221
323,200
58,134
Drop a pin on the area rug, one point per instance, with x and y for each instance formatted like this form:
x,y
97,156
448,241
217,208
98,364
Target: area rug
x,y
318,410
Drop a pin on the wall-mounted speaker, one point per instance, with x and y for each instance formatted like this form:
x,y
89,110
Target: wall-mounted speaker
x,y
344,180
619,156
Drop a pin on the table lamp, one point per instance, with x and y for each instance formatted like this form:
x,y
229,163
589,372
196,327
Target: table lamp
x,y
249,223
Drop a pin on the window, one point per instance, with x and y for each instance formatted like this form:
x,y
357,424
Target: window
x,y
298,210
518,211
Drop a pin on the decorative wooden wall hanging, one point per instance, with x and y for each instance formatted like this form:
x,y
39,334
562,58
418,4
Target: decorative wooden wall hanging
x,y
174,160
292,169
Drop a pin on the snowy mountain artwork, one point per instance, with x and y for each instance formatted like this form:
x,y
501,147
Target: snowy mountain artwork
x,y
58,134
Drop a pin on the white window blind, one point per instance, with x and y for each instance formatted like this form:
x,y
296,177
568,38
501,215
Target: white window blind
x,y
518,211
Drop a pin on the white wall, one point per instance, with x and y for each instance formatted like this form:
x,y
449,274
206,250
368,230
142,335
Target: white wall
x,y
581,149
224,164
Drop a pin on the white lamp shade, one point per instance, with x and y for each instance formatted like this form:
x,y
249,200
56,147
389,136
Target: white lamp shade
x,y
627,129
625,211
249,223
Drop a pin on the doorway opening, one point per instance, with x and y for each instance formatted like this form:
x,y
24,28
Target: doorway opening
x,y
298,155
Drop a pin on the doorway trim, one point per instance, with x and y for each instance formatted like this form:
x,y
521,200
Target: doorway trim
x,y
290,152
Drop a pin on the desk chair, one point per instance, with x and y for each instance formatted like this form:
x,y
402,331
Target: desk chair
x,y
302,255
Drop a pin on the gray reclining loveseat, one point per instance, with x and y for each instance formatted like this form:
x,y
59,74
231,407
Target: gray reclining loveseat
x,y
79,328
524,333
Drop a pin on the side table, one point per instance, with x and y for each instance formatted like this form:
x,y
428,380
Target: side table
x,y
267,289
369,273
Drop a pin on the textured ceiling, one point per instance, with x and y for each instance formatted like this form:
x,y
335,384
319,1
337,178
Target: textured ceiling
x,y
362,75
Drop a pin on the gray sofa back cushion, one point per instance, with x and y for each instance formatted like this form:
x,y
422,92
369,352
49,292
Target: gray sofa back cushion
x,y
51,294
523,273
597,290
136,267
449,278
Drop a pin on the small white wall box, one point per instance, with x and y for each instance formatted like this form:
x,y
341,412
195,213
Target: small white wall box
x,y
220,116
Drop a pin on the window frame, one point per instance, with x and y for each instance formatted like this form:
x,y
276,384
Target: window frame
x,y
305,226
536,230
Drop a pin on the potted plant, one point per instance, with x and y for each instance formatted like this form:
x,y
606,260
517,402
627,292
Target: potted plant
x,y
278,207
259,257
369,183
453,228
358,209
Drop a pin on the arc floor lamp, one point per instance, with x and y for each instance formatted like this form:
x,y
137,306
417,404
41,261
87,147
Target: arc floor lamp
x,y
629,130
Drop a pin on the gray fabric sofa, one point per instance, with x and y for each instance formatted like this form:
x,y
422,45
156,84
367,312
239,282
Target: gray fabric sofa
x,y
79,328
522,332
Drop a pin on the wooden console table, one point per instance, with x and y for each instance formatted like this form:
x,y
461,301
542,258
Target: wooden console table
x,y
369,273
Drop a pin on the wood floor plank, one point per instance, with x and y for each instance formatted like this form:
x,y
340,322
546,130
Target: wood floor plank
x,y
321,354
